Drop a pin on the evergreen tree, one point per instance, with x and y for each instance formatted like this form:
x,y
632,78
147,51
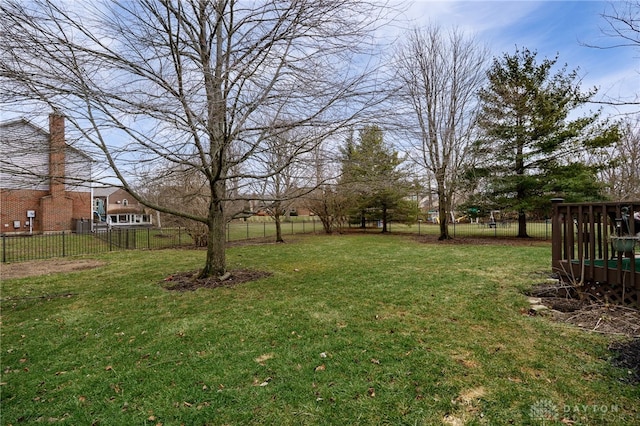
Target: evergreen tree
x,y
371,177
531,148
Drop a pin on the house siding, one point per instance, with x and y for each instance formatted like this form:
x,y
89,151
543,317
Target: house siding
x,y
25,157
40,172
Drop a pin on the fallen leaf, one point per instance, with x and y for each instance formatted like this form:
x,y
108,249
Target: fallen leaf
x,y
468,396
262,358
375,361
108,368
320,368
372,392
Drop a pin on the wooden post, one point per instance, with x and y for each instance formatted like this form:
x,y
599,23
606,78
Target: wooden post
x,y
556,234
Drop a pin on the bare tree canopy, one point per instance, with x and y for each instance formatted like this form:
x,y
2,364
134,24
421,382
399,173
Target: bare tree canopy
x,y
161,87
623,19
622,30
622,174
441,72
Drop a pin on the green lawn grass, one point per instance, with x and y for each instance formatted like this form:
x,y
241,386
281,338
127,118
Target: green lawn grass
x,y
357,329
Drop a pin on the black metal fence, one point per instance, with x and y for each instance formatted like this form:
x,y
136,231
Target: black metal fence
x,y
540,230
17,248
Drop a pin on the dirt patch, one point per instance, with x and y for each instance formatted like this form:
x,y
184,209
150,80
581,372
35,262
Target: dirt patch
x,y
580,310
483,241
585,312
627,356
189,281
44,267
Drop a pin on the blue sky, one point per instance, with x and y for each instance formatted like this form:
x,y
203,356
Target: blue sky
x,y
550,28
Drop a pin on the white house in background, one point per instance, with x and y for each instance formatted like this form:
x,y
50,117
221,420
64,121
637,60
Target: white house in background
x,y
115,207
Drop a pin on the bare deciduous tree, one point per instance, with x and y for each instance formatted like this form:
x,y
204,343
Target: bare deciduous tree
x,y
623,20
622,177
325,201
194,84
622,28
441,72
286,179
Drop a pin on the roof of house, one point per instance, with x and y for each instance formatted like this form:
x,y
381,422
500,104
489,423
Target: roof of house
x,y
104,191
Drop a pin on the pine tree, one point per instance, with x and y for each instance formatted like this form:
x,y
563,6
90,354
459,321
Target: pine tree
x,y
372,177
532,148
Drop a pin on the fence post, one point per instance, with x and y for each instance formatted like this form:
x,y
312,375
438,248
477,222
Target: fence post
x,y
63,247
546,229
247,230
264,229
110,235
4,249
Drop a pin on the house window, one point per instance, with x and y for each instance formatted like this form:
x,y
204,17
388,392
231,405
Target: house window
x,y
125,202
122,218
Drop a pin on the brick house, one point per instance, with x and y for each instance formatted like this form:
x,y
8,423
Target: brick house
x,y
44,182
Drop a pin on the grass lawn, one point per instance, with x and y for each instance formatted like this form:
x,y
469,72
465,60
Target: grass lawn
x,y
359,329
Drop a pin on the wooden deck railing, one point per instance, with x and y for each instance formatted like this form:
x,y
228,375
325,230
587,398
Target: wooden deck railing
x,y
596,245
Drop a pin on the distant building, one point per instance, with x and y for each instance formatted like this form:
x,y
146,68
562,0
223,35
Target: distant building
x,y
44,182
115,207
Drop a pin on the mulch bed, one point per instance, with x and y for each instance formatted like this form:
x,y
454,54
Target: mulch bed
x,y
189,281
581,310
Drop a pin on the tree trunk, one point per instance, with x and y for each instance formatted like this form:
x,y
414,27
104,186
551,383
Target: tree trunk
x,y
522,224
521,193
442,211
216,262
384,219
276,218
327,224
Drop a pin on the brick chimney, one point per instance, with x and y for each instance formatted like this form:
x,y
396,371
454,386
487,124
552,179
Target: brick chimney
x,y
57,206
57,148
